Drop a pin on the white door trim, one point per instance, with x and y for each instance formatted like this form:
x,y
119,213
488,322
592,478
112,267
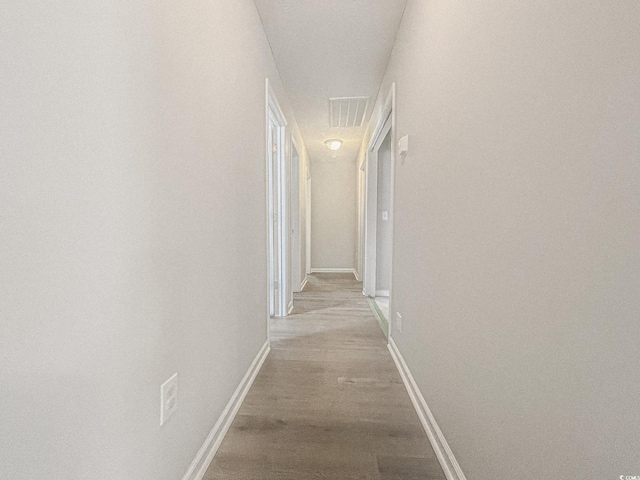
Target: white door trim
x,y
294,213
371,223
276,206
385,123
308,218
362,179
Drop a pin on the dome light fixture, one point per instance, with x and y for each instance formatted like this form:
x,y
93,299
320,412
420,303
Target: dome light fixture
x,y
333,144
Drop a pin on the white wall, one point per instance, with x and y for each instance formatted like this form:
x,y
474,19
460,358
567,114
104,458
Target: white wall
x,y
132,225
517,231
334,217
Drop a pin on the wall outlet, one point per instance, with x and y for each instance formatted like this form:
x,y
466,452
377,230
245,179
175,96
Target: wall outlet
x,y
168,398
399,322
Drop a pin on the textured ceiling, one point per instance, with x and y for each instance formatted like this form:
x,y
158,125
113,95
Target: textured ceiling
x,y
330,48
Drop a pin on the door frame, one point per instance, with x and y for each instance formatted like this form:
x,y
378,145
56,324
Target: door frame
x,y
385,123
294,220
276,206
308,218
371,277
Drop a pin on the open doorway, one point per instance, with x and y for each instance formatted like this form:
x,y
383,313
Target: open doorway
x,y
383,227
378,245
277,208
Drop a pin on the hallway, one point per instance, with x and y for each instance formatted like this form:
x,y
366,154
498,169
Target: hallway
x,y
177,177
328,402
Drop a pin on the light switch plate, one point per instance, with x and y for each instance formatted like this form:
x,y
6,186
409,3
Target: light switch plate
x,y
168,398
403,145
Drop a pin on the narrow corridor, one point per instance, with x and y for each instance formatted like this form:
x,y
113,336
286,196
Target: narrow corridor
x,y
328,402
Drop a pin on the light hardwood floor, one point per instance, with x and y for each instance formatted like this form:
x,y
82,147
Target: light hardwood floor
x,y
328,402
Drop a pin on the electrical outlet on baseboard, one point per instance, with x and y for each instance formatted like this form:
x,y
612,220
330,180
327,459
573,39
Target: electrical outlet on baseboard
x,y
168,398
399,322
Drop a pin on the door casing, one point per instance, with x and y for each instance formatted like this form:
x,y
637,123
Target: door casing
x,y
385,124
277,207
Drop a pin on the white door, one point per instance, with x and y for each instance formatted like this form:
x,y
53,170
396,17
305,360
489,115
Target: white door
x,y
272,185
278,208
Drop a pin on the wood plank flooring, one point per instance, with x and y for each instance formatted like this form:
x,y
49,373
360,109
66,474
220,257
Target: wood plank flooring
x,y
328,402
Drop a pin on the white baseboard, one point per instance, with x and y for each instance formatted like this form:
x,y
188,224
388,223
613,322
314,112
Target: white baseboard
x,y
304,283
382,293
336,270
290,307
205,455
355,272
332,270
440,446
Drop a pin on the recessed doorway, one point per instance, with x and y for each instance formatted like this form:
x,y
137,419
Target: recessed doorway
x,y
378,244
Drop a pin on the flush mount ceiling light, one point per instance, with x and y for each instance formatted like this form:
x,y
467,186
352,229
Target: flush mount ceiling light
x,y
333,144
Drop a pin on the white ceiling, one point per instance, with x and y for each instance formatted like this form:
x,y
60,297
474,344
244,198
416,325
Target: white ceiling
x,y
330,48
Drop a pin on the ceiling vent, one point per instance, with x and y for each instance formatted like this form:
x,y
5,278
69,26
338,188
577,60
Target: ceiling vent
x,y
347,111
